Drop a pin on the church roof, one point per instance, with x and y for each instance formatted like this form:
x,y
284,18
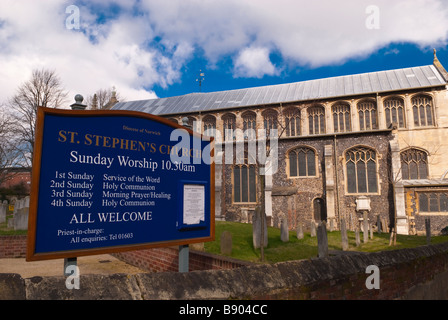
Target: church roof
x,y
335,87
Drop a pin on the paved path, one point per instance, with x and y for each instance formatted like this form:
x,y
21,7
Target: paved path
x,y
98,264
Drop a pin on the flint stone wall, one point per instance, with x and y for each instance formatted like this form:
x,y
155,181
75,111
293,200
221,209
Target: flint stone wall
x,y
419,273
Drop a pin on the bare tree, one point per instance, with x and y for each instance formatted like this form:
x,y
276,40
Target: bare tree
x,y
273,131
7,146
44,89
103,99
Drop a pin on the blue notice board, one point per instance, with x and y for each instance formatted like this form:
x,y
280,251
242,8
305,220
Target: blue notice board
x,y
109,181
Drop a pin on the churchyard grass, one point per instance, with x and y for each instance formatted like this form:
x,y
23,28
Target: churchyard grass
x,y
5,231
295,249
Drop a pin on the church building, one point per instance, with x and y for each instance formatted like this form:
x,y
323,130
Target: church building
x,y
373,142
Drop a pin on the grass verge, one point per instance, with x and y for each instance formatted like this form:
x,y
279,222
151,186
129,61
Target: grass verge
x,y
295,249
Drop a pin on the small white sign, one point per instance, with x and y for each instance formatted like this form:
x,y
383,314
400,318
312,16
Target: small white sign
x,y
194,204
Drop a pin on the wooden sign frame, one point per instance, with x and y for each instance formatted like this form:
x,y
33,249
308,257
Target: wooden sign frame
x,y
38,226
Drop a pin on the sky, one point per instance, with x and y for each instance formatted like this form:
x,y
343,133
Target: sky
x,y
157,48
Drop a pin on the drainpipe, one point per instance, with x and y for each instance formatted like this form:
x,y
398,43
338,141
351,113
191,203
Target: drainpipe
x,y
336,177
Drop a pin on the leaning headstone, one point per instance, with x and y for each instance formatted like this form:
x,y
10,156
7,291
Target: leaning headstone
x,y
344,237
428,230
371,231
322,240
313,228
299,231
284,232
226,243
383,225
256,229
357,237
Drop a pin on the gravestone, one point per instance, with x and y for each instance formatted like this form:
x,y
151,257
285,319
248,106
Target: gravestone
x,y
3,209
256,229
331,224
371,231
344,237
365,227
378,224
383,225
284,231
313,228
322,240
226,243
10,223
299,231
21,215
357,237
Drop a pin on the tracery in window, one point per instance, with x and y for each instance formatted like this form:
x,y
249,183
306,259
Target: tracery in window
x,y
361,173
302,162
229,126
368,118
249,125
394,112
292,122
341,117
414,164
422,108
270,119
316,120
209,125
433,201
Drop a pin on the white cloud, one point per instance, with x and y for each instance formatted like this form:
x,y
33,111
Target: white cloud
x,y
136,51
313,33
36,37
254,63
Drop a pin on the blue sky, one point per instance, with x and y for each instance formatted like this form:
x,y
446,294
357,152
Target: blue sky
x,y
393,56
155,48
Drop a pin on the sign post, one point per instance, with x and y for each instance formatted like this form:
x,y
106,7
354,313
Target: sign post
x,y
110,181
68,262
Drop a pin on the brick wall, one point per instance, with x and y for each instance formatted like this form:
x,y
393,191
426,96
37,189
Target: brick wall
x,y
166,259
12,246
152,260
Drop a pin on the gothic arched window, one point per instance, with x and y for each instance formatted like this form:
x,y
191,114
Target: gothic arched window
x,y
302,162
244,182
249,124
229,126
292,122
270,119
422,109
368,118
341,117
316,119
209,122
361,173
414,164
394,111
